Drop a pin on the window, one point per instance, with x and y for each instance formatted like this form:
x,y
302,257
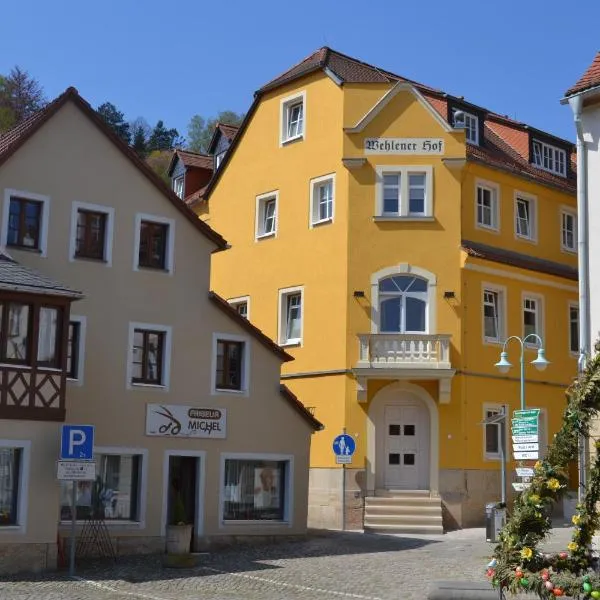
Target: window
x,y
470,122
322,192
493,315
229,365
76,348
550,158
290,316
404,192
241,305
266,215
10,474
115,494
16,324
25,221
154,243
403,304
293,114
219,159
178,187
532,317
525,218
574,328
149,356
49,334
255,490
91,232
487,206
568,239
492,433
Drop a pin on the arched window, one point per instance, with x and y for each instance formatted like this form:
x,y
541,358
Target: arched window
x,y
403,304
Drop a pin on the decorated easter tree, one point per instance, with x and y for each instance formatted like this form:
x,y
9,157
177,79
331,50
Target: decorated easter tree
x,y
518,565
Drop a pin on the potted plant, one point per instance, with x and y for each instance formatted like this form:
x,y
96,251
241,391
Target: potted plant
x,y
179,532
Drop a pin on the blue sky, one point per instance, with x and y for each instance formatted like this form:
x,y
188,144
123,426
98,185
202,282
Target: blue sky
x,y
174,60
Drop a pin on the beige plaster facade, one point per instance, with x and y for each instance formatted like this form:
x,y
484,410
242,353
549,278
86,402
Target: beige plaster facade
x,y
71,160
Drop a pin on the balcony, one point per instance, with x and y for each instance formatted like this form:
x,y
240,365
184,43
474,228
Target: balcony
x,y
404,356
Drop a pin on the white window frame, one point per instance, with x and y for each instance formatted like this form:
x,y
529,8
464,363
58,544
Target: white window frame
x,y
533,216
502,312
170,249
494,190
288,509
539,316
471,125
543,153
403,209
261,202
567,211
570,306
246,363
166,366
282,316
80,350
284,110
315,204
109,211
497,408
45,201
180,180
23,492
143,486
234,302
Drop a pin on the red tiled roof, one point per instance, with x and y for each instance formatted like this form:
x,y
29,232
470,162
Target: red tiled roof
x,y
195,197
264,339
590,79
516,259
228,130
195,159
11,141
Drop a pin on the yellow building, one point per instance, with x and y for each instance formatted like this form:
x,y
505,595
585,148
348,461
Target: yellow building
x,y
391,237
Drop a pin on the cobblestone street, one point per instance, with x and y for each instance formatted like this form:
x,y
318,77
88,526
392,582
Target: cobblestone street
x,y
333,565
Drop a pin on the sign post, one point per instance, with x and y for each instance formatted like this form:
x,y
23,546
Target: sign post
x,y
344,447
76,452
525,440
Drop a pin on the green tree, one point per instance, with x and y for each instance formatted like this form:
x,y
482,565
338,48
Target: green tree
x,y
7,115
200,130
140,130
158,161
116,120
162,138
20,96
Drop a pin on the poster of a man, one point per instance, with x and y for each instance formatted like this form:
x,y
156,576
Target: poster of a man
x,y
266,487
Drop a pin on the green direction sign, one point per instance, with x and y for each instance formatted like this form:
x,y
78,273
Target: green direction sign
x,y
525,422
530,413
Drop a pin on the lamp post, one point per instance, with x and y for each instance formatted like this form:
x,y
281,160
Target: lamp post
x,y
540,362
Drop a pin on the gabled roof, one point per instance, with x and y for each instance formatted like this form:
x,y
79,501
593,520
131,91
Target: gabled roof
x,y
590,79
194,160
15,277
297,405
510,144
222,129
11,141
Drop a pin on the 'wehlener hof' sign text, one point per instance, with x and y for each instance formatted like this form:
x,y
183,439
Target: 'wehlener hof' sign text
x,y
174,420
431,146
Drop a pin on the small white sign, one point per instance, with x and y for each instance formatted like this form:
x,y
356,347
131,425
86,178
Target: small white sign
x,y
525,439
75,470
526,455
525,447
176,420
424,146
520,487
343,460
524,472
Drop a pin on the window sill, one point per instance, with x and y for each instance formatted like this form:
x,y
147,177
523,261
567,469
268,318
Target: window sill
x,y
492,457
408,219
572,251
296,138
291,344
232,392
108,523
491,342
264,236
322,222
153,269
24,248
146,386
487,228
92,259
250,523
523,238
11,528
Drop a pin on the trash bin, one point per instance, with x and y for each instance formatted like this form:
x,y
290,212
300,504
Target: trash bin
x,y
495,519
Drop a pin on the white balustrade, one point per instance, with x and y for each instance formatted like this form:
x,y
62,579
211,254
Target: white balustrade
x,y
398,350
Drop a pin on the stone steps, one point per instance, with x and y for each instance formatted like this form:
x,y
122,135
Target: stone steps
x,y
403,511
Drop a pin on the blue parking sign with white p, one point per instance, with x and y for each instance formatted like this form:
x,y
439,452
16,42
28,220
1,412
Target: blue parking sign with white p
x,y
344,445
77,442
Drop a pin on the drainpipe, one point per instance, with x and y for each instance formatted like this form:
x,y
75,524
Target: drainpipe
x,y
585,334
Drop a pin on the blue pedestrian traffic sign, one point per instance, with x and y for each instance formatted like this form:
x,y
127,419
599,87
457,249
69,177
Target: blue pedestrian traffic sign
x,y
77,442
343,448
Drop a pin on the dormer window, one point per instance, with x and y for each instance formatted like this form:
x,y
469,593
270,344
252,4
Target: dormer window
x,y
470,123
219,159
550,158
178,186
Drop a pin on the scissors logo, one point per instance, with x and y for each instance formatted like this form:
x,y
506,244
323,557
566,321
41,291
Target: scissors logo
x,y
173,426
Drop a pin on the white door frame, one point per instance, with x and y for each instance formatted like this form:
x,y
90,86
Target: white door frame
x,y
200,484
395,394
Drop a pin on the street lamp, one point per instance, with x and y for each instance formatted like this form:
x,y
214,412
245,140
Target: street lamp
x,y
540,363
